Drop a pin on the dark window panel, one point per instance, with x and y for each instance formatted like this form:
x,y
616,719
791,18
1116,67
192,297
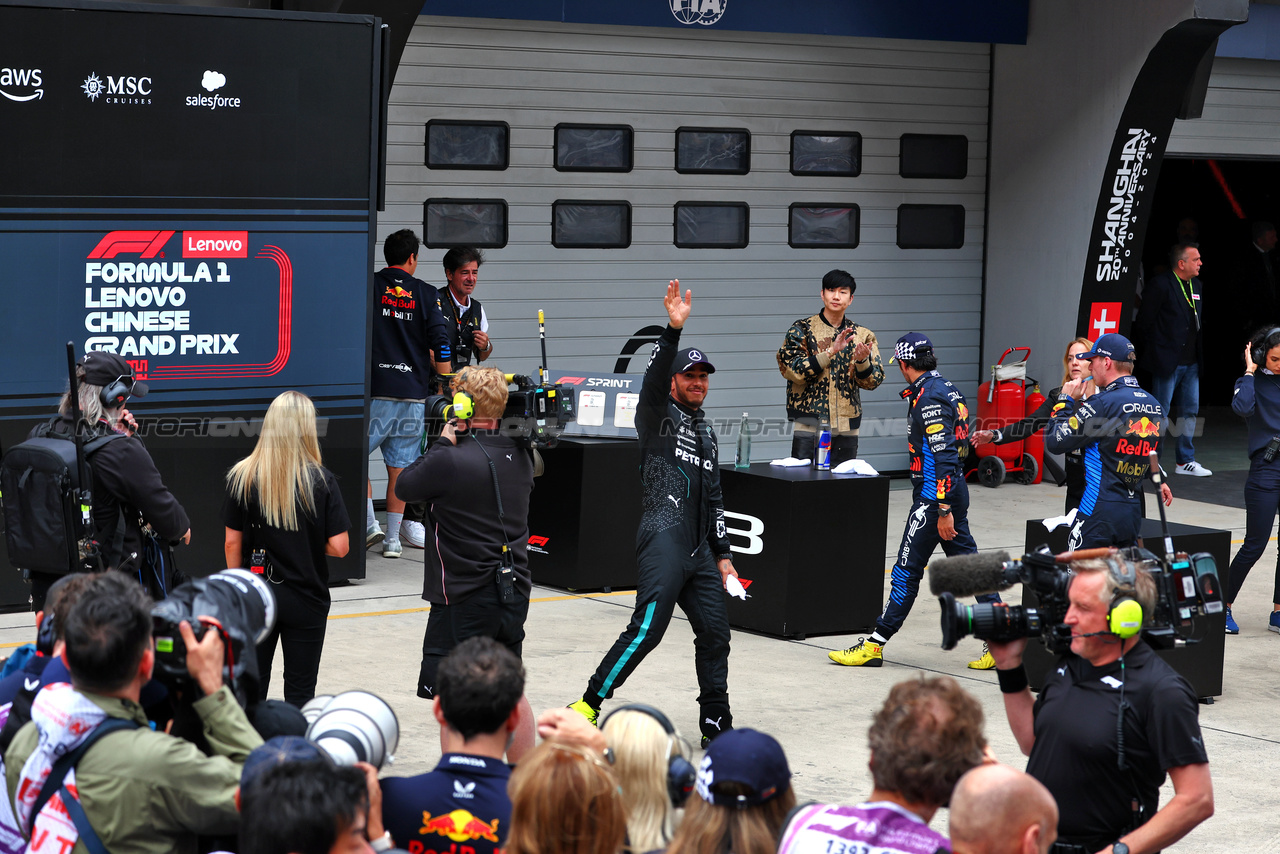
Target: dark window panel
x,y
707,225
816,226
930,226
725,151
590,225
826,153
593,148
923,155
464,222
467,145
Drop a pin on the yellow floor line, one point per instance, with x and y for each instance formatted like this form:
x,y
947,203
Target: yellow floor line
x,y
428,607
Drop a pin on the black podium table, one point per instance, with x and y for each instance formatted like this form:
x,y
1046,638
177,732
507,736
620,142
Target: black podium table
x,y
1200,663
584,513
809,547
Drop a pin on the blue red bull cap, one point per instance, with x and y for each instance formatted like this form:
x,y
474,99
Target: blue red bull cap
x,y
1113,346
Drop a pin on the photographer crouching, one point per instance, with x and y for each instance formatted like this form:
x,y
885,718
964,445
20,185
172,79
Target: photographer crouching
x,y
476,481
142,791
1111,720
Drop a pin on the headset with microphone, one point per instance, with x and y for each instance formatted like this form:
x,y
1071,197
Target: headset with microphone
x,y
681,775
114,395
1124,615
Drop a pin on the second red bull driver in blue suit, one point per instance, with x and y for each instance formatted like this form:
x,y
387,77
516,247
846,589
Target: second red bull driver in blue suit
x,y
1117,428
937,440
681,546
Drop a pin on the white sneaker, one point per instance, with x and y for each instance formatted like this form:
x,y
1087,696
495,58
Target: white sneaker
x,y
413,534
1192,468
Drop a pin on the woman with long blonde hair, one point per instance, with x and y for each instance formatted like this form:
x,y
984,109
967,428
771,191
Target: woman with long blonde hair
x,y
283,514
652,772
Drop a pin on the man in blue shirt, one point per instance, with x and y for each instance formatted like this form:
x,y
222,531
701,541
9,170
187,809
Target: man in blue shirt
x,y
462,806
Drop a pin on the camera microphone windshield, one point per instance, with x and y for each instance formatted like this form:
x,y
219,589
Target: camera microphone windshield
x,y
969,575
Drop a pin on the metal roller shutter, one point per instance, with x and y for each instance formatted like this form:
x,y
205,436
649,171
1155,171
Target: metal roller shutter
x,y
536,75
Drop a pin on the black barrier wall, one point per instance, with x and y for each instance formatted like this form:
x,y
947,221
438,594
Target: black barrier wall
x,y
193,189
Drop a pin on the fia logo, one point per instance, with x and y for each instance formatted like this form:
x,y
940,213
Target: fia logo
x,y
704,12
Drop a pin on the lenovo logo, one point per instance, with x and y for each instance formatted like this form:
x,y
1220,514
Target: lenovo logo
x,y
215,244
145,243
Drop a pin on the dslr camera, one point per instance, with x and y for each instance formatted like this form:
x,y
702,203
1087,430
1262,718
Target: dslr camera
x,y
1186,587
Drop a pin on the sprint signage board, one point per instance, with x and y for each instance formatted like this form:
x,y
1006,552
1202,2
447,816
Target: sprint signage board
x,y
193,189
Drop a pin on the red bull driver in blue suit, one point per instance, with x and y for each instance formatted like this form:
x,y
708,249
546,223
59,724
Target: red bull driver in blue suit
x,y
937,441
1117,428
681,546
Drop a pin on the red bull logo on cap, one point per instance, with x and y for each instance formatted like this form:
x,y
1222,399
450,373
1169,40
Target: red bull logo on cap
x,y
460,826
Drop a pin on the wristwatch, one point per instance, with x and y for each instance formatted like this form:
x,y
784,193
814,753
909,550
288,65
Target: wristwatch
x,y
384,843
1119,848
944,511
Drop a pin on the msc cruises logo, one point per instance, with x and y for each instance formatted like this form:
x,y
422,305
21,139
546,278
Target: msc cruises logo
x,y
705,12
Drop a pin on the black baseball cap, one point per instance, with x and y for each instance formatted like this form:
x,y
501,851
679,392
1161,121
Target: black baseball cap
x,y
102,369
687,358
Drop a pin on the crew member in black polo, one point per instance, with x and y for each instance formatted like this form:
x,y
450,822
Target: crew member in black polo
x,y
1108,788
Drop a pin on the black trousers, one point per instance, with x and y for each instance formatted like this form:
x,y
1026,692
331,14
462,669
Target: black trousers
x,y
670,576
300,626
481,614
843,448
1261,500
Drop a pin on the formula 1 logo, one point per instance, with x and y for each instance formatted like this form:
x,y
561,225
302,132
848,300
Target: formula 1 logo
x,y
572,380
145,243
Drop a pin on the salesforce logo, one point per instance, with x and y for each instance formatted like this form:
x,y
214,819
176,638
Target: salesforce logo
x,y
211,82
704,12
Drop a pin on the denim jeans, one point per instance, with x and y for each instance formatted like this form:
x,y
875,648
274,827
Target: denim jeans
x,y
1183,385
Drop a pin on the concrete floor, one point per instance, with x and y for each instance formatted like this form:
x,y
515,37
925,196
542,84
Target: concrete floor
x,y
819,711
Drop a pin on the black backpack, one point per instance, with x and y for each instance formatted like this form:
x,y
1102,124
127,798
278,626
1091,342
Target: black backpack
x,y
43,517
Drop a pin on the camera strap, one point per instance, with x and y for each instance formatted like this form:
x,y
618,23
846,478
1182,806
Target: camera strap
x,y
506,563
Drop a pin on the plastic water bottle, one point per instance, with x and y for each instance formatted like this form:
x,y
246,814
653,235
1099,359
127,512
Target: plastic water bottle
x,y
742,459
822,452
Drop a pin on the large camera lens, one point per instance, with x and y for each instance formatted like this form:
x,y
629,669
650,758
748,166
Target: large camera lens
x,y
437,407
986,621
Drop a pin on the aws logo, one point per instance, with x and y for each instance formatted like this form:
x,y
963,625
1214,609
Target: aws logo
x,y
13,82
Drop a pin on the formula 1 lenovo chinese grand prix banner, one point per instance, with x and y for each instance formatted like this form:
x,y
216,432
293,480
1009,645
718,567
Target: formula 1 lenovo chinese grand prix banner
x,y
194,190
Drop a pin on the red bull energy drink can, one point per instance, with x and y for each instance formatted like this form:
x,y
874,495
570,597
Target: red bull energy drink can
x,y
822,454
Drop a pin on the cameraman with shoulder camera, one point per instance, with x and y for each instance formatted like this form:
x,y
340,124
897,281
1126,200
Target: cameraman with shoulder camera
x,y
144,791
476,482
1111,720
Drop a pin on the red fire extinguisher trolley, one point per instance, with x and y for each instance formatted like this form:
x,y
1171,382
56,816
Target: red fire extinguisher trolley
x,y
1004,400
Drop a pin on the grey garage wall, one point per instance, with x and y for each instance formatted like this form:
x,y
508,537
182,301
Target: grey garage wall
x,y
1241,116
534,75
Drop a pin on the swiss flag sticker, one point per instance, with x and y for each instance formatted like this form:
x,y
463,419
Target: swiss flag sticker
x,y
1104,317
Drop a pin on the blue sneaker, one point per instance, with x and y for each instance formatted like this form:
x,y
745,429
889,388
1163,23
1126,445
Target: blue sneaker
x,y
1232,628
1275,621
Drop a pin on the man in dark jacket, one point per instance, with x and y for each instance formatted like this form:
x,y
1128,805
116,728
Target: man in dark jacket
x,y
1116,429
937,439
681,546
127,490
477,560
1170,330
409,338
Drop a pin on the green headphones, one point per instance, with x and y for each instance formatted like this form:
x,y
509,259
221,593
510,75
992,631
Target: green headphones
x,y
1124,616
